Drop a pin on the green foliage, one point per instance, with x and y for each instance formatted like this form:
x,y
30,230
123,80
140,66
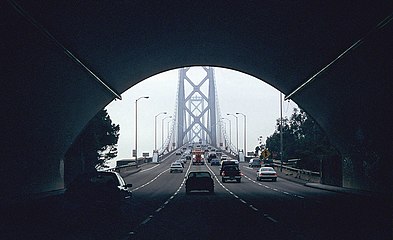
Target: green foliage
x,y
303,139
96,143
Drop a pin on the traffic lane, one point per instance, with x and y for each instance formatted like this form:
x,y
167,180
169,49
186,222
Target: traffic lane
x,y
201,215
154,197
144,201
373,206
149,172
326,211
286,186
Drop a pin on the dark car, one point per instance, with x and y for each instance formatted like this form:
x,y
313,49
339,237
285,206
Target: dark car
x,y
102,191
215,162
211,156
199,181
255,162
268,162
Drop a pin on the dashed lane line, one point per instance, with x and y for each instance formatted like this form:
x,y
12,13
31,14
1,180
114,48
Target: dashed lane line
x,y
163,205
273,189
240,199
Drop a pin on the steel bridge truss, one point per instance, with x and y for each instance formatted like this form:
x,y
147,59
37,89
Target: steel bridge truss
x,y
196,111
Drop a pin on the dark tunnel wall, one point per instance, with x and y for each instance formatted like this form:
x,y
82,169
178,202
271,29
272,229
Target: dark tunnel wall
x,y
46,98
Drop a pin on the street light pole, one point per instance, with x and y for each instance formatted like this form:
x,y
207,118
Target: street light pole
x,y
237,131
281,146
136,127
245,133
168,131
162,129
230,131
155,130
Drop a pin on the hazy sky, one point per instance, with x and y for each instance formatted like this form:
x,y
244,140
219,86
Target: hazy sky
x,y
237,92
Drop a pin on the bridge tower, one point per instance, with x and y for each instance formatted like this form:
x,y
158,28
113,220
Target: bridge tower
x,y
196,108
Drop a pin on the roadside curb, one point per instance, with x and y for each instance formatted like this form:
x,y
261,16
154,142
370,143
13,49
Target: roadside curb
x,y
339,189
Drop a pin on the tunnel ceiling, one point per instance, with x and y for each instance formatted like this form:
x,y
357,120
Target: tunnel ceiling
x,y
48,97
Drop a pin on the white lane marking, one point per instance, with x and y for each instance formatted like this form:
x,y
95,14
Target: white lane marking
x,y
167,201
254,208
147,220
144,185
230,192
148,169
272,219
248,167
274,189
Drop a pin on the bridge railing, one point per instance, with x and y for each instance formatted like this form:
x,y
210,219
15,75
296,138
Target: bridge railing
x,y
297,172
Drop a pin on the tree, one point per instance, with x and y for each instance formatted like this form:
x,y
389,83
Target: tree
x,y
302,138
96,143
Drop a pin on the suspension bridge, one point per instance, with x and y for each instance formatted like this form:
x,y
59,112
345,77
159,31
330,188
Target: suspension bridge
x,y
197,116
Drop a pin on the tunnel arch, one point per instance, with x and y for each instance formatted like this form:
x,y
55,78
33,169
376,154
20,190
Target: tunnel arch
x,y
48,97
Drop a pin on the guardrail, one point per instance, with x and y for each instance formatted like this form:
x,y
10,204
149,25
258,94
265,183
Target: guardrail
x,y
297,172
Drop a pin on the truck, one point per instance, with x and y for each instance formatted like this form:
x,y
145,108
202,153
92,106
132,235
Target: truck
x,y
198,157
231,172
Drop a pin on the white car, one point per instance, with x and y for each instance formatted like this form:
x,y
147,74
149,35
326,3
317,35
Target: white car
x,y
266,173
176,167
183,159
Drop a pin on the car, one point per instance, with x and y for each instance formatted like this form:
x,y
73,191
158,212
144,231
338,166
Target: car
x,y
199,180
215,162
224,157
182,159
225,163
178,152
255,162
179,161
268,162
266,173
211,156
176,167
100,191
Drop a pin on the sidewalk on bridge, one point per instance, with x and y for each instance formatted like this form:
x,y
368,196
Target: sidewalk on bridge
x,y
314,183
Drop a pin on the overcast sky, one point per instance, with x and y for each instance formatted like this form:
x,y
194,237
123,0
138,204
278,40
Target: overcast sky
x,y
237,92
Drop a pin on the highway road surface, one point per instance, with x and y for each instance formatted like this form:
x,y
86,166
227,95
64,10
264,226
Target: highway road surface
x,y
161,209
